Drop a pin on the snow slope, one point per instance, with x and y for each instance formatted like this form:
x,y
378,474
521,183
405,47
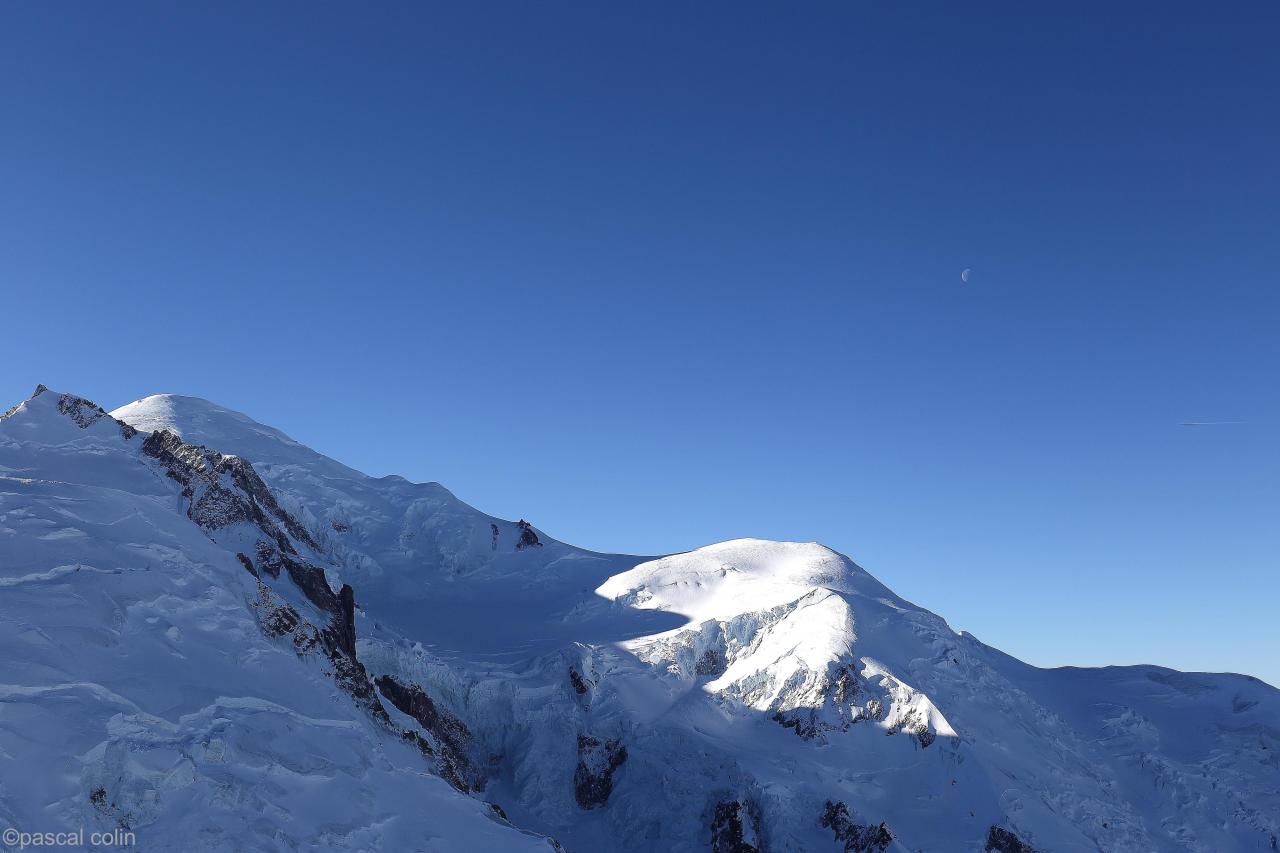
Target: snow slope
x,y
303,660
134,666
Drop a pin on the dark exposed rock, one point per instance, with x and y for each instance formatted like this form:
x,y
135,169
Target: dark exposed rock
x,y
1001,840
856,837
85,413
247,563
597,761
528,537
735,827
494,528
340,633
339,526
423,745
280,620
497,809
711,663
579,685
277,618
268,558
223,490
450,736
347,598
803,721
348,671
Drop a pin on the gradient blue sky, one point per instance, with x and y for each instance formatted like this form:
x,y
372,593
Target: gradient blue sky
x,y
656,275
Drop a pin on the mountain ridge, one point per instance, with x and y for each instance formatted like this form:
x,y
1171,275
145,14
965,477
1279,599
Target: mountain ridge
x,y
748,695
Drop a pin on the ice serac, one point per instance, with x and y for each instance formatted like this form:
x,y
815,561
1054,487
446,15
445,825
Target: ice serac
x,y
179,606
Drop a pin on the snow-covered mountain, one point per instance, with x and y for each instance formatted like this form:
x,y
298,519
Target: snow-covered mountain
x,y
224,640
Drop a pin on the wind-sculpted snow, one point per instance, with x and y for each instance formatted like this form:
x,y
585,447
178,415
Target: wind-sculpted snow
x,y
194,620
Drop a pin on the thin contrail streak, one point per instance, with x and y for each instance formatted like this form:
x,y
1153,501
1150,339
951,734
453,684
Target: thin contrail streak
x,y
1209,423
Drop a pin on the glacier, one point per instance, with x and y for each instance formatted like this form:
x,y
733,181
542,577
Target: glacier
x,y
223,640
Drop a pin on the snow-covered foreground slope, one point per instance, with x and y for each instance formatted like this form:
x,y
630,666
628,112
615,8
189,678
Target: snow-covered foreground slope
x,y
269,650
139,688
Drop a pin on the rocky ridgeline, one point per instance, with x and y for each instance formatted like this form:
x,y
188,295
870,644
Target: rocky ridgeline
x,y
223,490
83,413
447,737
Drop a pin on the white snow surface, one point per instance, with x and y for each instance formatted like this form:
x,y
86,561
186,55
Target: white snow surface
x,y
777,674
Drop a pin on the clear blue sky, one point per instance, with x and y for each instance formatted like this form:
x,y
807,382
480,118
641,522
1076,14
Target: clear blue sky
x,y
657,275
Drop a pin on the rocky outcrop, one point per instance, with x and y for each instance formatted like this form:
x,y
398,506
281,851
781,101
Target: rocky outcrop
x,y
248,565
855,837
597,761
1001,840
735,827
448,738
337,638
710,664
278,618
223,490
528,536
578,682
268,556
83,413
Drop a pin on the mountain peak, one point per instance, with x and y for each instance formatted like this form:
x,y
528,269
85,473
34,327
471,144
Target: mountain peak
x,y
200,421
44,404
748,689
181,414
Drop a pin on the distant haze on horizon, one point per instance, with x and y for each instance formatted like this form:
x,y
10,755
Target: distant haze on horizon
x,y
655,277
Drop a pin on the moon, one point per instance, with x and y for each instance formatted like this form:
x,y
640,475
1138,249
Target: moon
x,y
964,276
